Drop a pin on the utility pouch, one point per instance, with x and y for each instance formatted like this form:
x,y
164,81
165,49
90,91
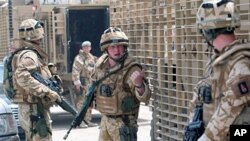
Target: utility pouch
x,y
205,93
106,90
41,128
128,104
128,133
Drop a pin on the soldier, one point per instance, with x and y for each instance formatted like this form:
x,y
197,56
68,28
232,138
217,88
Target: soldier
x,y
118,96
34,99
82,68
224,94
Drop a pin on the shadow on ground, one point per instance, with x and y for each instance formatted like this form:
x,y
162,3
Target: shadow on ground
x,y
63,120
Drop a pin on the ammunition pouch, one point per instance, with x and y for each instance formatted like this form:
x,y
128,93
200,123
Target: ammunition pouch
x,y
40,126
128,104
205,93
38,121
128,133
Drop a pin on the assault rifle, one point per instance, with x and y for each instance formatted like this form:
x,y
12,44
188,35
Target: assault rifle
x,y
81,114
54,86
196,128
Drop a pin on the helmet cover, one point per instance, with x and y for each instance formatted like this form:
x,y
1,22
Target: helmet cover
x,y
113,36
31,30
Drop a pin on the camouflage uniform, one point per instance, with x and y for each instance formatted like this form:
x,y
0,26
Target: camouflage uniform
x,y
122,86
112,93
229,102
82,68
229,71
29,92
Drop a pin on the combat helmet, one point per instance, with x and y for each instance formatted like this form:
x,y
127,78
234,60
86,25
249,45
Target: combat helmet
x,y
31,30
113,36
217,16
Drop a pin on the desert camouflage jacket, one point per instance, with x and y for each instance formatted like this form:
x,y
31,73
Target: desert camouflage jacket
x,y
24,62
83,67
229,79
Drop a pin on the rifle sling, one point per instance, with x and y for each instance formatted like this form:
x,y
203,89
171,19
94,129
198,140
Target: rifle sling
x,y
109,74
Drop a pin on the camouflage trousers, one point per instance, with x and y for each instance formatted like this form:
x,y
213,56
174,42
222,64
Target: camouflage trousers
x,y
79,101
110,128
24,118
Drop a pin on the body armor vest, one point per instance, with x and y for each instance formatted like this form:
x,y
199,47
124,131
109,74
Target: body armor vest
x,y
115,96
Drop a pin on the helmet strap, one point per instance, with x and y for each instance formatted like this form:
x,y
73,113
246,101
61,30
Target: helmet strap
x,y
206,38
211,34
37,42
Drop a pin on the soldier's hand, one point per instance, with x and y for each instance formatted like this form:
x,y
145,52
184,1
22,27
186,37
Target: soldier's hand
x,y
53,96
58,79
78,88
137,78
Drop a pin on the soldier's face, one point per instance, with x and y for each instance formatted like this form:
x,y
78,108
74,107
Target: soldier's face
x,y
115,51
86,49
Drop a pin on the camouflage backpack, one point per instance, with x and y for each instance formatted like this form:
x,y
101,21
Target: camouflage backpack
x,y
8,73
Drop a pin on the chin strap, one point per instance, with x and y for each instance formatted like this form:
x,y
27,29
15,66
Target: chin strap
x,y
205,35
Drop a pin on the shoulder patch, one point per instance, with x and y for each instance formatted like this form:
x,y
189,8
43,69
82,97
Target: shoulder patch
x,y
241,85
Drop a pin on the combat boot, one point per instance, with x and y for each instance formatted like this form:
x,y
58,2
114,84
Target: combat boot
x,y
83,125
91,124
